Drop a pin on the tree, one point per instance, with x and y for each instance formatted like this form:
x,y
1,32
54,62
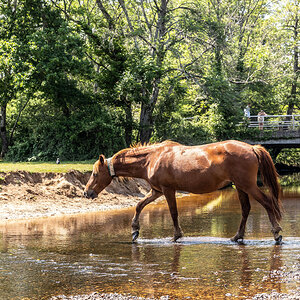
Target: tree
x,y
14,72
151,33
236,59
291,24
39,54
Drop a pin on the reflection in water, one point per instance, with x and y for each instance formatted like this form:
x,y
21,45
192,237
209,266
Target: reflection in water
x,y
85,253
291,181
232,270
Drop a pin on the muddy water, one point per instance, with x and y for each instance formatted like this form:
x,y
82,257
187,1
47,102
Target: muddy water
x,y
92,252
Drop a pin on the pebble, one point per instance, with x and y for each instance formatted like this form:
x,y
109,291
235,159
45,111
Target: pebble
x,y
98,296
278,296
113,296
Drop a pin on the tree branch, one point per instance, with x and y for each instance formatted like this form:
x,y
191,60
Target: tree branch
x,y
107,16
16,121
122,3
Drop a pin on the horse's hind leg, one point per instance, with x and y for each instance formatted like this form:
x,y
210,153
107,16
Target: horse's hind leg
x,y
171,199
266,202
150,197
245,206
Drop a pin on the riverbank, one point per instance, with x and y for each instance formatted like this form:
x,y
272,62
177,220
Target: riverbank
x,y
26,195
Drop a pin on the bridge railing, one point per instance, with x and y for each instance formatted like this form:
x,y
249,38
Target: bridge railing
x,y
269,122
284,122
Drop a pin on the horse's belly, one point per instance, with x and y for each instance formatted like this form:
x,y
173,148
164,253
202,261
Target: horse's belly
x,y
202,187
200,183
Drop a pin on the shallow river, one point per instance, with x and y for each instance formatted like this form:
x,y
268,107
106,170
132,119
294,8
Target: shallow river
x,y
92,252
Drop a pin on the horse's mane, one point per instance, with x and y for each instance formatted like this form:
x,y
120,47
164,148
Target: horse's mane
x,y
140,146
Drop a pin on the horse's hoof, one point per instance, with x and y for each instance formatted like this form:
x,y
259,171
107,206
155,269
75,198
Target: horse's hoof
x,y
135,235
239,241
278,240
176,237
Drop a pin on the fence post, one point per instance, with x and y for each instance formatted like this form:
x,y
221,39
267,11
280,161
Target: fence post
x,y
293,121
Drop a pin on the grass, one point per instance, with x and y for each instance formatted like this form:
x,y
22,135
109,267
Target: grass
x,y
46,167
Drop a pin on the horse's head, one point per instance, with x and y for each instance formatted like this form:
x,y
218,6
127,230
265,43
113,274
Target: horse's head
x,y
99,179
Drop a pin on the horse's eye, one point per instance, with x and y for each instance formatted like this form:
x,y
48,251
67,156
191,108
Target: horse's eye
x,y
95,174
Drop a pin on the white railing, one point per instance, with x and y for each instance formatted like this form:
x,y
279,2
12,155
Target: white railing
x,y
284,122
288,122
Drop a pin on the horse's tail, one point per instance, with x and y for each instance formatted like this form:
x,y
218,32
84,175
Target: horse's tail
x,y
269,177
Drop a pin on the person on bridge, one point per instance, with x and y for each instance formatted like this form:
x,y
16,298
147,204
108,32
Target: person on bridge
x,y
261,119
247,111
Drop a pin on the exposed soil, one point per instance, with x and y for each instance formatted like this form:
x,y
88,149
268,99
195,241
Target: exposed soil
x,y
29,195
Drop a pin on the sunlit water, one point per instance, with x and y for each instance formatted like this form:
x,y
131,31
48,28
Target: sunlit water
x,y
93,253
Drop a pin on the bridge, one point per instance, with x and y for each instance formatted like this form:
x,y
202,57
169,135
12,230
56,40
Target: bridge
x,y
274,131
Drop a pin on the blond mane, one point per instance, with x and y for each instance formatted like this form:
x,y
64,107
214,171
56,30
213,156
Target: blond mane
x,y
140,146
149,144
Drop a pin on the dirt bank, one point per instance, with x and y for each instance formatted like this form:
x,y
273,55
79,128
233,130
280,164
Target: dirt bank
x,y
29,195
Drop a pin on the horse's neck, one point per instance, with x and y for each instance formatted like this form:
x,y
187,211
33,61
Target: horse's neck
x,y
131,163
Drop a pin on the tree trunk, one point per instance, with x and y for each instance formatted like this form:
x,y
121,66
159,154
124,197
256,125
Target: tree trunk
x,y
128,123
146,117
293,96
3,131
292,99
146,123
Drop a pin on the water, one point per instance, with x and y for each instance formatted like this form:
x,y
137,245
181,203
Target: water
x,y
92,252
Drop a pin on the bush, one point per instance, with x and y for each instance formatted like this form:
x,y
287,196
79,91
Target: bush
x,y
83,135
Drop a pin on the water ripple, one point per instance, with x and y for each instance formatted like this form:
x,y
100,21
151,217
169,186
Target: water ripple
x,y
289,242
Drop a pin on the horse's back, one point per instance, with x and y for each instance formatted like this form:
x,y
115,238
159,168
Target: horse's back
x,y
200,169
203,156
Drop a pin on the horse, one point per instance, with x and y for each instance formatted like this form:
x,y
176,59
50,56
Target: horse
x,y
170,166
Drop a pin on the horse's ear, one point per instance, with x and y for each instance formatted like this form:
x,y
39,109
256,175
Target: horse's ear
x,y
102,159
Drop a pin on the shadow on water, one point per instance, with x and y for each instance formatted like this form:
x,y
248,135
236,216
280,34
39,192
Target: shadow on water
x,y
93,252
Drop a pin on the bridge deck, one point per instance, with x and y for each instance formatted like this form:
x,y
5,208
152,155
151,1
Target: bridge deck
x,y
277,131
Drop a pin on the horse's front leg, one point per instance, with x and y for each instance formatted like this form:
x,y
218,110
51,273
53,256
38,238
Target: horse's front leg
x,y
150,197
171,199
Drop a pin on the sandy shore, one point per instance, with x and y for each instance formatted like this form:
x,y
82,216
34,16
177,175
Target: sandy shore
x,y
26,195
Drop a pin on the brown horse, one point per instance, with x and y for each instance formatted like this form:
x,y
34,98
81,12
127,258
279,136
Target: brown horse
x,y
170,166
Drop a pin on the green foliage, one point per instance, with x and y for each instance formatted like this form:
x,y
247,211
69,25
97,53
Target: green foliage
x,y
84,134
289,157
292,181
190,132
76,79
224,112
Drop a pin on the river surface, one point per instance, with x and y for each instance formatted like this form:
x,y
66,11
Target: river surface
x,y
93,252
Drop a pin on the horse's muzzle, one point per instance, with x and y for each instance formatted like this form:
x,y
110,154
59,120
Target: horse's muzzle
x,y
90,194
